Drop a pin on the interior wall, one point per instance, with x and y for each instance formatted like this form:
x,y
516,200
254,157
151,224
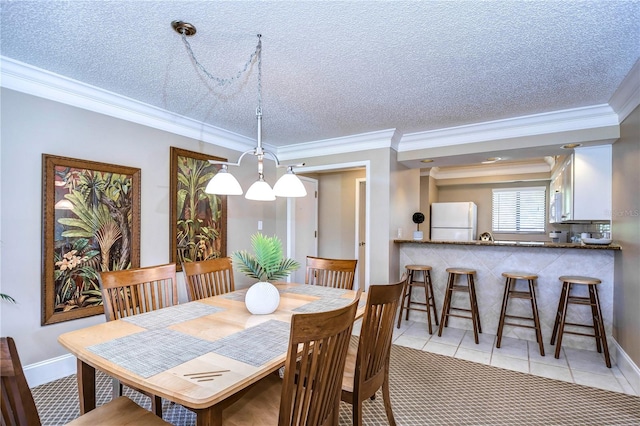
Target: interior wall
x,y
336,213
481,194
625,230
32,126
404,195
425,203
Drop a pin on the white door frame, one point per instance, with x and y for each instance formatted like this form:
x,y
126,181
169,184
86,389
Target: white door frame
x,y
367,166
358,238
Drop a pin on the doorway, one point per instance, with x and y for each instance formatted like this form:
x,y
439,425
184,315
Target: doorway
x,y
361,232
302,227
294,228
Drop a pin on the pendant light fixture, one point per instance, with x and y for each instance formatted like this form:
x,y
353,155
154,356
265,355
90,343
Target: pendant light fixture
x,y
224,183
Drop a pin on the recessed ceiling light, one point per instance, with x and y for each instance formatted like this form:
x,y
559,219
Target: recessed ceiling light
x,y
491,160
571,145
427,160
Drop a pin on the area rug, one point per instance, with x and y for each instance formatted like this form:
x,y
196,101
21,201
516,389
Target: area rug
x,y
426,389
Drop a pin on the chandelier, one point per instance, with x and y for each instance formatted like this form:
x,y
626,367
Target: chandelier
x,y
224,183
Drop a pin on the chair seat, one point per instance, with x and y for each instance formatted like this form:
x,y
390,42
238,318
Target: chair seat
x,y
350,365
259,406
121,411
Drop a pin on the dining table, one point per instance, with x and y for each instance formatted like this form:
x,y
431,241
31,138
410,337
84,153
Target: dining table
x,y
199,354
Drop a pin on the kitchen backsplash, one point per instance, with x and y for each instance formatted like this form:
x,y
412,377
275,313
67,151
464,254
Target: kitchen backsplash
x,y
571,233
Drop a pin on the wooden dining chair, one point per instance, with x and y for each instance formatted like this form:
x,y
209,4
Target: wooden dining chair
x,y
208,278
309,393
136,291
337,273
367,365
19,407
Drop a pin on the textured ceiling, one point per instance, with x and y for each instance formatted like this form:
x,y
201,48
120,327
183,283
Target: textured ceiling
x,y
334,68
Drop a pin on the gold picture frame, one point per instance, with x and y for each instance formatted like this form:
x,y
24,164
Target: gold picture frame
x,y
90,223
203,235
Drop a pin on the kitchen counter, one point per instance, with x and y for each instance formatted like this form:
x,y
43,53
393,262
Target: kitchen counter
x,y
612,246
490,259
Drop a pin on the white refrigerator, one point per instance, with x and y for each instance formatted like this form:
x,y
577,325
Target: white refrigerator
x,y
454,221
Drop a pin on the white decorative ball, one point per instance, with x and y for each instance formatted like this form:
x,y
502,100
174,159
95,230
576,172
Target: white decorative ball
x,y
262,298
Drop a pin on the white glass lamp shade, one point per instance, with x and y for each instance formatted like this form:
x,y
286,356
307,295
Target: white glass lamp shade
x,y
260,191
223,183
289,185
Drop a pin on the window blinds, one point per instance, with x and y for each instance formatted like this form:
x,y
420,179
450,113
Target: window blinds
x,y
517,210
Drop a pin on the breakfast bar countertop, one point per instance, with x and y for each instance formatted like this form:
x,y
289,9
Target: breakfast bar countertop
x,y
612,246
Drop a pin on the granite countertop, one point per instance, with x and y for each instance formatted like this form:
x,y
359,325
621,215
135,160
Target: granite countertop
x,y
612,246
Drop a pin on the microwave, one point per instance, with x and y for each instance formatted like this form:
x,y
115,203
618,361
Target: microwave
x,y
555,207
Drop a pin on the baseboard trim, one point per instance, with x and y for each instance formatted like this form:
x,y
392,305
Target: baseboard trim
x,y
627,367
49,370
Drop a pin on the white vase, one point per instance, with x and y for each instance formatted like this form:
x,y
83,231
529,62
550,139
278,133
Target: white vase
x,y
262,298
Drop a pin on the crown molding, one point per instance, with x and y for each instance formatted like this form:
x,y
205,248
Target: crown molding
x,y
341,145
626,98
34,81
537,124
25,78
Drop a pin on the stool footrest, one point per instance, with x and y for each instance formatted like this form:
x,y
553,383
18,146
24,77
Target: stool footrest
x,y
521,325
579,300
520,295
408,308
519,317
462,288
459,316
577,333
578,325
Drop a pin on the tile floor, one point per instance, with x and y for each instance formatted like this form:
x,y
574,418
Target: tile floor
x,y
574,365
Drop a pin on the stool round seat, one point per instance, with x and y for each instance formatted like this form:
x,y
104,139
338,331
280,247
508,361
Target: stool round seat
x,y
418,267
461,271
575,279
520,275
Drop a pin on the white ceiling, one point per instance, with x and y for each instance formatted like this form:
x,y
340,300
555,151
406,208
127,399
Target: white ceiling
x,y
337,68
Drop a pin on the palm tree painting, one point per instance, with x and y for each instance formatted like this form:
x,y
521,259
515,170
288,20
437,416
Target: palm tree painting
x,y
198,220
91,224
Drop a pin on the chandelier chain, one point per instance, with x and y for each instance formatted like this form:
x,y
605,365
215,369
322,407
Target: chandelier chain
x,y
219,80
258,52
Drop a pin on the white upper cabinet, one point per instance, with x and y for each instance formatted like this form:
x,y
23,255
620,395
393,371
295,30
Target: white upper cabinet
x,y
580,189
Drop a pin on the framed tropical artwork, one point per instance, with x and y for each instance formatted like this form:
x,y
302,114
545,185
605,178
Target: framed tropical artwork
x,y
198,221
90,223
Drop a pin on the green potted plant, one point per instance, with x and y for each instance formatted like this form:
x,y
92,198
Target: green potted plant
x,y
265,264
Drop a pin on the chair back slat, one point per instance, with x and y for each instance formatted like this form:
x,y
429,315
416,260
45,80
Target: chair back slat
x,y
314,367
18,405
208,278
136,291
336,273
376,334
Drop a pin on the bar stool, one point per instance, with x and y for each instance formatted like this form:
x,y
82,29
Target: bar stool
x,y
596,313
509,292
428,294
470,288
